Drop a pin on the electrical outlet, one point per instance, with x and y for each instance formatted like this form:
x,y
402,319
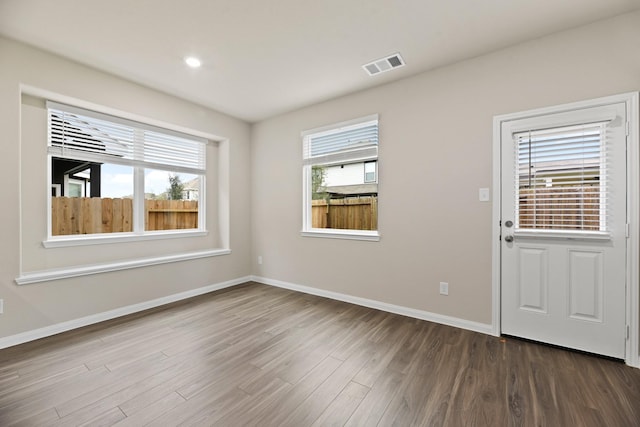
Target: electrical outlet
x,y
444,288
260,259
1,306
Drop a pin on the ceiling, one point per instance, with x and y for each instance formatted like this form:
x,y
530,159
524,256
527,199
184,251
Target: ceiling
x,y
261,58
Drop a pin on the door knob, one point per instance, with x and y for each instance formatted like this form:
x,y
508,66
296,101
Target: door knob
x,y
508,238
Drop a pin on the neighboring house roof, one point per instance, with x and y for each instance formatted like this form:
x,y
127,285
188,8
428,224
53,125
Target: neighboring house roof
x,y
193,184
351,190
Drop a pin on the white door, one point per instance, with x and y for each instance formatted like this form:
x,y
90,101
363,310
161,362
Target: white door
x,y
563,229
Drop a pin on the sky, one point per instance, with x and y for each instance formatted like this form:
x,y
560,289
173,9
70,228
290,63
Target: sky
x,y
117,181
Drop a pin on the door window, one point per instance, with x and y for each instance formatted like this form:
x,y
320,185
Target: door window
x,y
561,178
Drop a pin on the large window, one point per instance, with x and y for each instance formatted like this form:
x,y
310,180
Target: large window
x,y
370,174
341,180
112,175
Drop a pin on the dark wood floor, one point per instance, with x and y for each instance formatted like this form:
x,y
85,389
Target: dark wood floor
x,y
263,356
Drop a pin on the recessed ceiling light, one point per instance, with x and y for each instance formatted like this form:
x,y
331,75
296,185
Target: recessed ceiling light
x,y
192,61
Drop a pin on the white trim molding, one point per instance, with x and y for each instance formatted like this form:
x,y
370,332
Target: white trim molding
x,y
100,239
47,331
378,305
332,233
85,270
630,99
633,252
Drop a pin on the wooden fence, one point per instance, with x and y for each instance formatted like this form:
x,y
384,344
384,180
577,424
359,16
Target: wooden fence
x,y
350,213
563,207
171,214
88,215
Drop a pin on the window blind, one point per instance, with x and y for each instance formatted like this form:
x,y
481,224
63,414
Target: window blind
x,y
347,143
87,135
561,178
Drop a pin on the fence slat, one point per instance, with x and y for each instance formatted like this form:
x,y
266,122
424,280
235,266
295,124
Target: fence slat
x,y
116,222
107,215
76,215
96,214
127,215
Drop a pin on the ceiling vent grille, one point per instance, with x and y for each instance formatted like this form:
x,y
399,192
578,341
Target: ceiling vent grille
x,y
385,64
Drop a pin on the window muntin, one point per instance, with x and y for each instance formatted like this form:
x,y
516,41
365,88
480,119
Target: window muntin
x,y
561,179
108,164
337,196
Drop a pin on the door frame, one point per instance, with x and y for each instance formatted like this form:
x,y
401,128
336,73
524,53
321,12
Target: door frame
x,y
632,351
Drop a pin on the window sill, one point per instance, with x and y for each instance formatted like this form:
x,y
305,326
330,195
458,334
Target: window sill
x,y
333,233
65,273
101,239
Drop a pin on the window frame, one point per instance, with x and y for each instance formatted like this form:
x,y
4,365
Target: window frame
x,y
139,233
332,233
375,171
541,134
540,121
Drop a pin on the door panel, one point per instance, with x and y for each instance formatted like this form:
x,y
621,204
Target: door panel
x,y
532,280
563,216
586,285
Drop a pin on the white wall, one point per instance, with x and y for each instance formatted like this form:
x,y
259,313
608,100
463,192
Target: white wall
x,y
23,215
349,174
435,152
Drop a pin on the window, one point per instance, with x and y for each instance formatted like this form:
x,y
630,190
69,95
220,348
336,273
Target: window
x,y
340,180
561,176
370,171
113,175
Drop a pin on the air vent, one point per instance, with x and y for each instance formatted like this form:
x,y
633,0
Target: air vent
x,y
385,64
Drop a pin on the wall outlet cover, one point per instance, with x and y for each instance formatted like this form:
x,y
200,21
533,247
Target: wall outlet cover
x,y
444,288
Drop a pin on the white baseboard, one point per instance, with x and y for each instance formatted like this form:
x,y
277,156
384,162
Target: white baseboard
x,y
391,308
112,314
47,331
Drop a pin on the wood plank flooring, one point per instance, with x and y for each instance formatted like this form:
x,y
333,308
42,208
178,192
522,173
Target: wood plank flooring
x,y
255,355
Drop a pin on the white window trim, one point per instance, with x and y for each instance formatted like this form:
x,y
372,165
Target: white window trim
x,y
104,238
335,233
603,188
375,171
331,233
139,235
339,125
